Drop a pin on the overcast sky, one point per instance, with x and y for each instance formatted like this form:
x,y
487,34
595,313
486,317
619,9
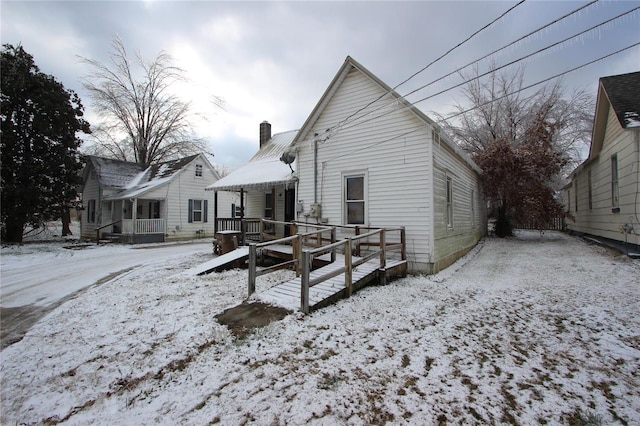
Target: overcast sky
x,y
273,60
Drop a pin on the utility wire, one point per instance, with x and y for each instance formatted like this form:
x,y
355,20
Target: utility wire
x,y
436,60
555,21
357,123
487,103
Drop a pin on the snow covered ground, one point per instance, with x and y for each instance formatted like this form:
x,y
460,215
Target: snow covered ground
x,y
528,330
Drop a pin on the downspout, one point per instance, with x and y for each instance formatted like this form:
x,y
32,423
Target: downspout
x,y
315,168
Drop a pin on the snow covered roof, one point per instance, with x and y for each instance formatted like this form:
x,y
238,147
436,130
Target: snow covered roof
x,y
113,174
622,91
131,179
264,170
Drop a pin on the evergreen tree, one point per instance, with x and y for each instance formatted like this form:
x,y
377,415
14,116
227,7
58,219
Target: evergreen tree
x,y
40,163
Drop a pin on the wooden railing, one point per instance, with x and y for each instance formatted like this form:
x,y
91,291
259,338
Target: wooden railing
x,y
297,241
302,258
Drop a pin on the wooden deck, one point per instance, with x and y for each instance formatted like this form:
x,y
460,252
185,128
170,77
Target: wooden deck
x,y
288,294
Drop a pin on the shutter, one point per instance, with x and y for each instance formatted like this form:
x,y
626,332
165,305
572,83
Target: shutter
x,y
205,208
190,209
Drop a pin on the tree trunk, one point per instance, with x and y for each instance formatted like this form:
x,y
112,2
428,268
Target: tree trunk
x,y
504,227
12,233
66,221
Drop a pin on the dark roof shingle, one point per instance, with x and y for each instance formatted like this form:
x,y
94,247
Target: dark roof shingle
x,y
623,92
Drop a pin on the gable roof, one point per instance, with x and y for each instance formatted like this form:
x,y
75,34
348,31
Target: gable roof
x,y
623,92
619,92
350,64
111,174
264,170
130,180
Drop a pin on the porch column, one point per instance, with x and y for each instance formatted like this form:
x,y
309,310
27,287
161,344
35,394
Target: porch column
x,y
134,215
215,212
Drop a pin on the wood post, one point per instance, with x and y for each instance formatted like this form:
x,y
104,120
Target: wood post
x,y
304,288
383,258
297,249
333,240
252,268
358,243
348,275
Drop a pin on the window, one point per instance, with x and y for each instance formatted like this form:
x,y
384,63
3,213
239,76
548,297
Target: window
x,y
198,210
576,193
154,210
449,202
268,206
614,181
236,210
354,199
198,170
91,211
473,207
590,190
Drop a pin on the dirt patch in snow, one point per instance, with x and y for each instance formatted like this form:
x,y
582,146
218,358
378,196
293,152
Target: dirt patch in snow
x,y
246,317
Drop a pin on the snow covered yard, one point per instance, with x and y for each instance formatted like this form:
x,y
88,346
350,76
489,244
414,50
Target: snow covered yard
x,y
529,330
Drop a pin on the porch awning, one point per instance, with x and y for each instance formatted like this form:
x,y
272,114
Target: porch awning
x,y
257,175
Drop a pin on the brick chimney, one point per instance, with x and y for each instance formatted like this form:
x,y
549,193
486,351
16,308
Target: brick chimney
x,y
265,133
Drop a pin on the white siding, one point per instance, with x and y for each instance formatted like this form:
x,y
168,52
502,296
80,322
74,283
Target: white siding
x,y
469,215
183,187
397,170
601,220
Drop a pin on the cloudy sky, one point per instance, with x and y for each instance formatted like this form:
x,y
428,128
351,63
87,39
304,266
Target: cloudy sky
x,y
273,60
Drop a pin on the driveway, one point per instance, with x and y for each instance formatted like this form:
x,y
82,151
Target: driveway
x,y
29,290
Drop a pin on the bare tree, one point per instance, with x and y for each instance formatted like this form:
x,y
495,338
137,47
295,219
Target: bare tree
x,y
523,143
143,120
502,110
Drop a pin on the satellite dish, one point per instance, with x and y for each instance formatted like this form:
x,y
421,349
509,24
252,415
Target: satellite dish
x,y
287,158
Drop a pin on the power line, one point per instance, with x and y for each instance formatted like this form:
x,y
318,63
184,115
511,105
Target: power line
x,y
436,60
488,102
355,123
555,21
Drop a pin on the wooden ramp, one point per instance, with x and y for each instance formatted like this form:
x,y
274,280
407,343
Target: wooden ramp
x,y
288,294
218,263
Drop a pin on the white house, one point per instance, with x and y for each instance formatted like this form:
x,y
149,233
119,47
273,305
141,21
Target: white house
x,y
603,197
367,157
166,201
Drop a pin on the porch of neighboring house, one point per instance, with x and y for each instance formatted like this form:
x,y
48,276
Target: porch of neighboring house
x,y
132,221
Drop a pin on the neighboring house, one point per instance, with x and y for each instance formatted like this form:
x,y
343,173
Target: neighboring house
x,y
603,196
264,187
365,156
166,201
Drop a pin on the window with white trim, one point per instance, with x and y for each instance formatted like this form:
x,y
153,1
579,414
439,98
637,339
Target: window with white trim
x,y
354,199
449,202
197,210
198,170
91,211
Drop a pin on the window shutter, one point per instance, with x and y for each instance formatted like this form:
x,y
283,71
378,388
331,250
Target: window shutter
x,y
190,208
205,208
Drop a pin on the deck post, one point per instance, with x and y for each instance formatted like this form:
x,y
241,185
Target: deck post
x,y
304,288
348,275
383,257
252,268
333,240
297,248
358,243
